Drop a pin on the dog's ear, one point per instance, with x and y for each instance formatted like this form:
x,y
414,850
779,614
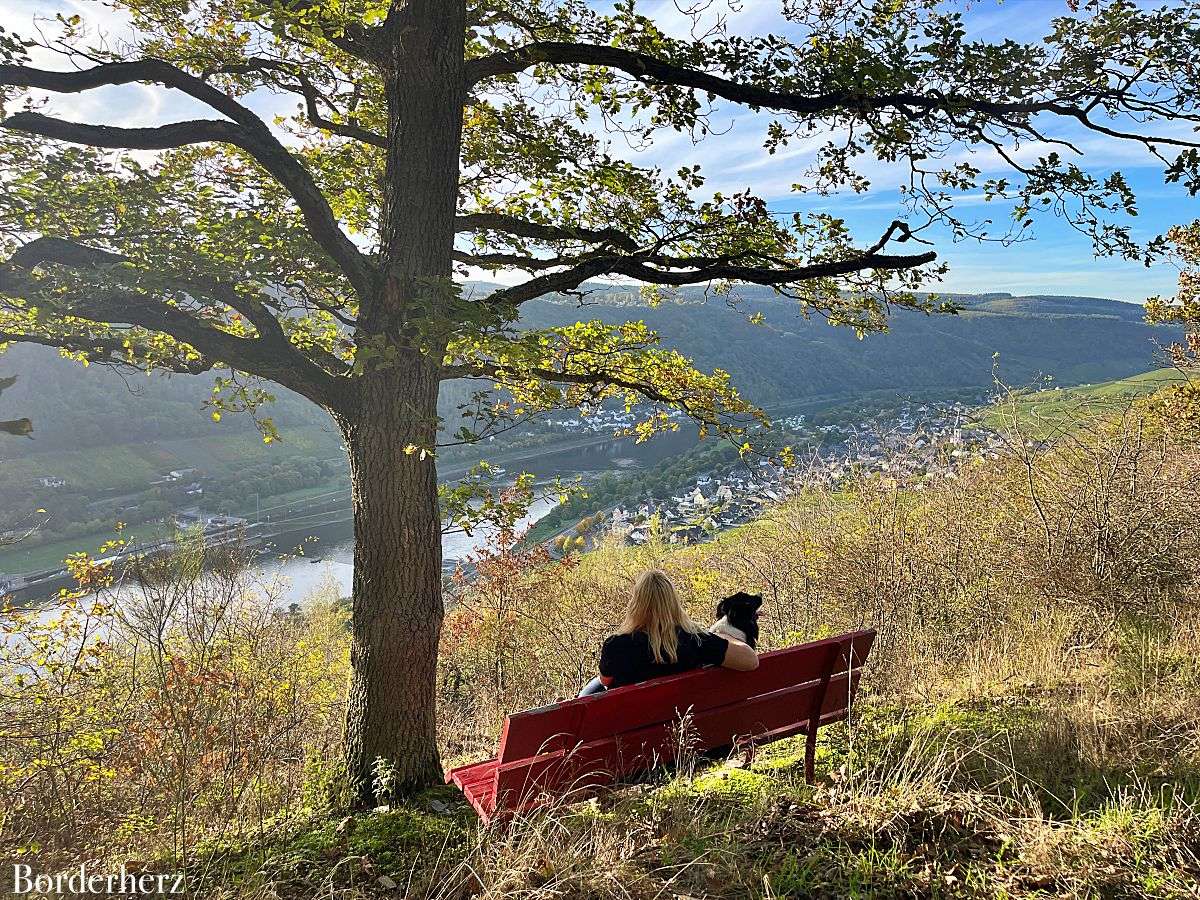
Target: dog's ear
x,y
756,601
723,607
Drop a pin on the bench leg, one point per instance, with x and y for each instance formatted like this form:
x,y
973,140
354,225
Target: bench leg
x,y
810,753
748,752
814,716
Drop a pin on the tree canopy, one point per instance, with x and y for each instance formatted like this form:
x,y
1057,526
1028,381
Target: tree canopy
x,y
1181,402
257,244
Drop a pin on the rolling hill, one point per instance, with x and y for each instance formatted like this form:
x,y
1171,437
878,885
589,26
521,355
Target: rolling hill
x,y
1073,339
125,429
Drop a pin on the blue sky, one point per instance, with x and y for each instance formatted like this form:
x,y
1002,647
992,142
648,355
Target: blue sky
x,y
1058,260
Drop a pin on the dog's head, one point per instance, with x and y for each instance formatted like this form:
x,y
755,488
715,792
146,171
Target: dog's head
x,y
741,611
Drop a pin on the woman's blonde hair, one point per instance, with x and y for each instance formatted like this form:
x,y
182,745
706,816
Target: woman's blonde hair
x,y
654,608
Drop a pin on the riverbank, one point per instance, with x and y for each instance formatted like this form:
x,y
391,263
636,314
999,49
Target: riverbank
x,y
291,517
301,561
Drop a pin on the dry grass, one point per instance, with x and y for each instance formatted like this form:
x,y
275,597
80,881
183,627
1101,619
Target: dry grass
x,y
1029,724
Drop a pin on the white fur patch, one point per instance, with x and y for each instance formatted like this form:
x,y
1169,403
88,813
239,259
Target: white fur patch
x,y
723,628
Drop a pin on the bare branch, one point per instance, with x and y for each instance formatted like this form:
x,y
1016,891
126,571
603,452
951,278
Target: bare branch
x,y
510,261
554,282
650,69
162,137
697,271
541,232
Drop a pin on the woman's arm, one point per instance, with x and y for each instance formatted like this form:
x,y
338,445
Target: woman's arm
x,y
740,657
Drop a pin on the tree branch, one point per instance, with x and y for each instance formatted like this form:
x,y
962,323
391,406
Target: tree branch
x,y
247,131
693,403
651,69
499,372
161,137
360,41
344,129
312,98
555,282
508,261
701,270
541,232
270,355
113,352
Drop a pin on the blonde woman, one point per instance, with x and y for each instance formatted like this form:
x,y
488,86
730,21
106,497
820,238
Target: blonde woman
x,y
657,638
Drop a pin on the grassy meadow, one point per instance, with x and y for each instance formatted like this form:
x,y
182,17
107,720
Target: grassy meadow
x,y
1028,724
1042,413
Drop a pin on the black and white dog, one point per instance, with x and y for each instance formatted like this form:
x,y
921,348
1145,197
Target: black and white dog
x,y
737,617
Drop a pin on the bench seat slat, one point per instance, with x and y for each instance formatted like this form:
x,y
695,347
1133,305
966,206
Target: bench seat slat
x,y
478,784
472,776
469,772
482,796
482,774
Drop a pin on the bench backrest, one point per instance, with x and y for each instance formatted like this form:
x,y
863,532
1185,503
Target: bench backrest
x,y
596,739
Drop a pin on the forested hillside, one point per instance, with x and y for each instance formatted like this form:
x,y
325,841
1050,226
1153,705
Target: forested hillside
x,y
786,357
109,442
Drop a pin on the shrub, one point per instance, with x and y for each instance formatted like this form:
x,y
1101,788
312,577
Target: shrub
x,y
179,705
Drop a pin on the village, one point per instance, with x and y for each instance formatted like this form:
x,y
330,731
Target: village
x,y
604,420
920,443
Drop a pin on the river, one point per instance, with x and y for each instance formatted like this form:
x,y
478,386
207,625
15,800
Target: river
x,y
313,547
329,558
323,565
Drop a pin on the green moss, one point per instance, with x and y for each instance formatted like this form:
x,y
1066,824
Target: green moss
x,y
389,839
395,842
782,756
733,783
724,782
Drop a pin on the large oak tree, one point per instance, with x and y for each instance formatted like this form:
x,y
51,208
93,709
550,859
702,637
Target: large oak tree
x,y
317,248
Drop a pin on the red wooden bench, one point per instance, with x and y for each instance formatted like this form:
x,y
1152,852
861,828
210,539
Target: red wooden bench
x,y
579,744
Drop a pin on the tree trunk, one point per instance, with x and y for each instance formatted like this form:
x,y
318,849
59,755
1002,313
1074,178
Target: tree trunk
x,y
390,722
391,423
